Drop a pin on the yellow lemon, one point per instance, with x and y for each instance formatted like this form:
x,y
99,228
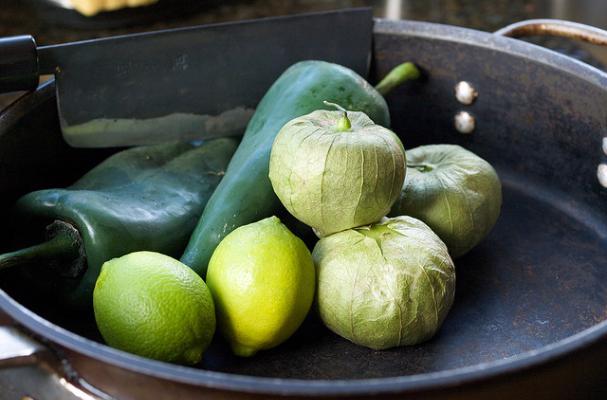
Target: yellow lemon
x,y
262,279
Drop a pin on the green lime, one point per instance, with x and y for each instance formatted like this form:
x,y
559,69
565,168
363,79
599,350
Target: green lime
x,y
154,306
262,279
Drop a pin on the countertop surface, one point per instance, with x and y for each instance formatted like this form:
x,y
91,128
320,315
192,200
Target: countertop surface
x,y
51,26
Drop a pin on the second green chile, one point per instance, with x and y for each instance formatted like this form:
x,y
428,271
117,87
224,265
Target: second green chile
x,y
245,194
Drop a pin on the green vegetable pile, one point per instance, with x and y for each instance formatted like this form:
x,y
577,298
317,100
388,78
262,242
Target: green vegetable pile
x,y
382,282
389,223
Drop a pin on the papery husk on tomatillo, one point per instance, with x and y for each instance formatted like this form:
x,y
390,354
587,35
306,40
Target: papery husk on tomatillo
x,y
335,170
454,191
385,285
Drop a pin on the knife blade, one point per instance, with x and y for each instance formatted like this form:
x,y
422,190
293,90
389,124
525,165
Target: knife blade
x,y
182,84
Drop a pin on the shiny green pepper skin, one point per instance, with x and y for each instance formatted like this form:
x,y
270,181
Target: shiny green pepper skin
x,y
245,194
144,198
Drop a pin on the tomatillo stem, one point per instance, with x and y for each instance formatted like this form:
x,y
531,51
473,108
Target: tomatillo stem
x,y
343,124
400,74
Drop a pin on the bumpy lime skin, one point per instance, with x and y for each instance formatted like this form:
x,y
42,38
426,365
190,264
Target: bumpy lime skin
x,y
262,279
385,285
152,305
454,191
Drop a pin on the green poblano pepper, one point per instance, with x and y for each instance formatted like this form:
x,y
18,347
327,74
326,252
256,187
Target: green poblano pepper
x,y
336,170
385,285
144,198
454,191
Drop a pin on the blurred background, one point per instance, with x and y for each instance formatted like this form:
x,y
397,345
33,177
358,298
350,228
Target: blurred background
x,y
56,21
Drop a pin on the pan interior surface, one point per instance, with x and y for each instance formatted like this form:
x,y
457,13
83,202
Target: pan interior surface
x,y
536,279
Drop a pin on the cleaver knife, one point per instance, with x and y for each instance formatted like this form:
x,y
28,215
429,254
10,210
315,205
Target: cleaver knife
x,y
182,84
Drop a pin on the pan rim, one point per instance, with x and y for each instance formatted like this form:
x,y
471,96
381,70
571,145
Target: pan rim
x,y
287,386
445,379
486,40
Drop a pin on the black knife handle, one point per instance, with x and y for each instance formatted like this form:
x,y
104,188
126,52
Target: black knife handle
x,y
18,63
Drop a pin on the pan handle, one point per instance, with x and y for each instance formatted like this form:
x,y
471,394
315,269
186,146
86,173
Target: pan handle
x,y
555,27
29,370
566,29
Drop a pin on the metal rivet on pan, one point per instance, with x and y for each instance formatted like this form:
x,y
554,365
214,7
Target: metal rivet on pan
x,y
464,122
601,173
465,93
605,145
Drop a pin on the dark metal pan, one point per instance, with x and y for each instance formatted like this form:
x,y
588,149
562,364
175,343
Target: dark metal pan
x,y
530,315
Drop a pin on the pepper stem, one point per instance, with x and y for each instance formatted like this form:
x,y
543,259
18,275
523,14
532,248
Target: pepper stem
x,y
343,124
58,247
63,249
400,74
